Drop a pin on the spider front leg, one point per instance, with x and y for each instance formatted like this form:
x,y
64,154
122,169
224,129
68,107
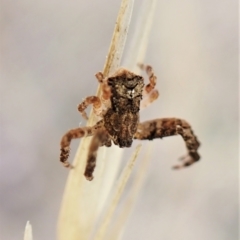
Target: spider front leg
x,y
100,138
74,134
150,94
97,106
165,127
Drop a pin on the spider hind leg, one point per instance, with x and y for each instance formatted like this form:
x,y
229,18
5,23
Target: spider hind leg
x,y
165,127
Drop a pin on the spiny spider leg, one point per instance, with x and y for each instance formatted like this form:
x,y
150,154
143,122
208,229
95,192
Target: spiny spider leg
x,y
150,94
73,134
164,127
99,139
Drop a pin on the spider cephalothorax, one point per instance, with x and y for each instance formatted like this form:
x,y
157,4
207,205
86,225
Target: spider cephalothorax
x,y
122,118
123,94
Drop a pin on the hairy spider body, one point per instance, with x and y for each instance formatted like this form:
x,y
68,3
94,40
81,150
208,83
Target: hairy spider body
x,y
122,118
123,94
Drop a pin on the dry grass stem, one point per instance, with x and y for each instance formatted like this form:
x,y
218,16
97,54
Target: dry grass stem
x,y
139,47
139,42
118,192
119,38
128,205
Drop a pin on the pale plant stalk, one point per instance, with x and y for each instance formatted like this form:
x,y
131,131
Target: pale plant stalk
x,y
80,201
138,52
28,232
100,235
129,203
140,39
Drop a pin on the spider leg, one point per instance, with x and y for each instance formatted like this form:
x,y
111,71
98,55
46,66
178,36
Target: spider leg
x,y
149,99
165,127
150,94
99,139
74,134
97,106
106,91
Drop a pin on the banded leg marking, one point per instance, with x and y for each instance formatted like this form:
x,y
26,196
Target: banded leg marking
x,y
74,134
164,127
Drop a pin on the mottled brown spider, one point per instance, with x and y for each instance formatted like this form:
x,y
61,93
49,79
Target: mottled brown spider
x,y
123,95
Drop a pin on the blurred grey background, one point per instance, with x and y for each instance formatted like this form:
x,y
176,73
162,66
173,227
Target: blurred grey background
x,y
50,51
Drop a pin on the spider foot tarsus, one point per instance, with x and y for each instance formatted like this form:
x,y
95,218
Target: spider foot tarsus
x,y
64,156
187,160
89,169
99,76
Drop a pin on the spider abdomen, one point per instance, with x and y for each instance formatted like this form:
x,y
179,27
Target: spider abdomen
x,y
121,126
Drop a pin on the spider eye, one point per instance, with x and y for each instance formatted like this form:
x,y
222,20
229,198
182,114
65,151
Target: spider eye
x,y
131,91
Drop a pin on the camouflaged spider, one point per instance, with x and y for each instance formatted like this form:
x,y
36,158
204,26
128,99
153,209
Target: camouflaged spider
x,y
123,94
